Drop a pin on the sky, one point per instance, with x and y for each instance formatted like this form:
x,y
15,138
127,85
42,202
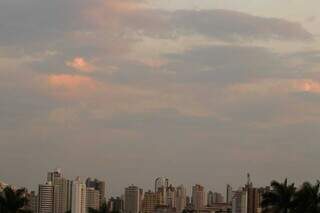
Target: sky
x,y
200,91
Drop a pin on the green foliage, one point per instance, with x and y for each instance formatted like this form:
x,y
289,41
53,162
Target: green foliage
x,y
103,209
285,198
13,201
307,199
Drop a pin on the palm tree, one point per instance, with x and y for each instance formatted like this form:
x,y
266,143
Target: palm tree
x,y
13,201
307,199
280,199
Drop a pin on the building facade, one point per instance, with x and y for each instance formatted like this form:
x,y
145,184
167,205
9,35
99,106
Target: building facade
x,y
150,202
171,197
181,198
116,204
46,198
198,197
210,201
60,190
78,197
92,199
218,198
100,186
161,182
132,200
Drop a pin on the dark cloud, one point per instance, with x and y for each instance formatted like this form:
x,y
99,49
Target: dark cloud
x,y
178,119
232,25
37,21
225,64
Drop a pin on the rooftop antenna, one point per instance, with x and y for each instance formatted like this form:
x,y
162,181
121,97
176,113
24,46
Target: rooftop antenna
x,y
248,179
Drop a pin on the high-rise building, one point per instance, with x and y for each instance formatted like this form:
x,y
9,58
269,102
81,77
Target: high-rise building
x,y
248,199
162,196
140,199
171,197
149,202
92,199
181,198
46,198
78,196
132,199
239,202
100,186
198,196
69,195
60,191
210,200
54,174
218,198
253,196
229,194
116,204
161,182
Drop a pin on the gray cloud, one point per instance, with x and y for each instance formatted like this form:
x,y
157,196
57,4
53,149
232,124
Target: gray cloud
x,y
39,21
225,25
177,120
230,25
225,64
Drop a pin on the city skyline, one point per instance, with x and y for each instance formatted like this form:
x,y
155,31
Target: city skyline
x,y
150,186
59,194
57,181
200,91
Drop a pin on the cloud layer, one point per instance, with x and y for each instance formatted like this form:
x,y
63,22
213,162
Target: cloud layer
x,y
170,92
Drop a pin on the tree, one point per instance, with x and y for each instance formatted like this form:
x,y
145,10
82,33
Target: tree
x,y
13,201
281,199
307,199
103,209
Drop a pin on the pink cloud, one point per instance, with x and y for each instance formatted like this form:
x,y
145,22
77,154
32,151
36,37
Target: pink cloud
x,y
80,64
270,86
154,63
124,6
126,15
72,85
310,86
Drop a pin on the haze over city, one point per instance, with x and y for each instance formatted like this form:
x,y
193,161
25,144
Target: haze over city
x,y
199,91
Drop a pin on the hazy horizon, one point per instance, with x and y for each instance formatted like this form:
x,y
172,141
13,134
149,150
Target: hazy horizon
x,y
200,91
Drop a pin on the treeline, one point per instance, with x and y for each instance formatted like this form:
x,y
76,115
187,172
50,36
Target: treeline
x,y
287,198
13,201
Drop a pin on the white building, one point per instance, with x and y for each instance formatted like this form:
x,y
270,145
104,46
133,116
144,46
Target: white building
x,y
171,197
161,182
239,202
46,198
92,199
181,198
229,194
132,199
78,196
60,191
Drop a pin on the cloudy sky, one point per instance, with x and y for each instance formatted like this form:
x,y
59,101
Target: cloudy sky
x,y
201,91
